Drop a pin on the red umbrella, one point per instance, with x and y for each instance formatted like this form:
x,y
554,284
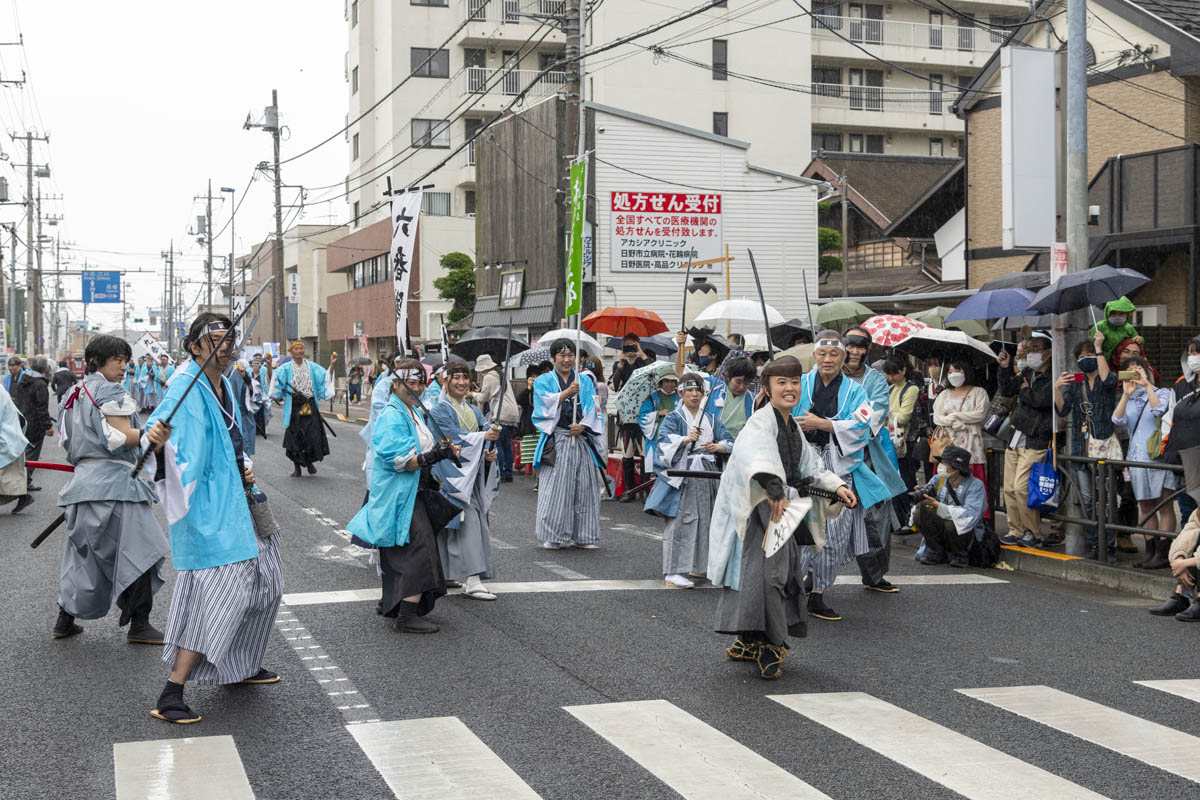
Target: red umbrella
x,y
618,321
889,330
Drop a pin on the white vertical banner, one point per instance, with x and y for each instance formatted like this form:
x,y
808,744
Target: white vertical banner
x,y
406,208
445,340
239,305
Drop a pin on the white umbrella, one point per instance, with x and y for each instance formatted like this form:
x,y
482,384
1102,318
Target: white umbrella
x,y
739,310
586,343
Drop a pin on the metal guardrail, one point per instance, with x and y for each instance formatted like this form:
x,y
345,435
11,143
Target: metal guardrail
x,y
882,98
961,38
485,80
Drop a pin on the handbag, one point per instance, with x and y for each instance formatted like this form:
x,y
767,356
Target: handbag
x,y
999,413
1044,485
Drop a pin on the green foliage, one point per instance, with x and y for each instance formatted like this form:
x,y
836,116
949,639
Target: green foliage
x,y
458,285
828,264
828,239
824,208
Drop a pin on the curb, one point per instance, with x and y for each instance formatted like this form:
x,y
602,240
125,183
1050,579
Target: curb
x,y
360,421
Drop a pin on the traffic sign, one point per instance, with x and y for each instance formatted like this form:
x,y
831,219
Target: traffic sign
x,y
102,287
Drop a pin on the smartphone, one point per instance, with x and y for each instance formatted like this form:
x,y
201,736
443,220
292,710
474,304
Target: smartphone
x,y
1128,375
1078,377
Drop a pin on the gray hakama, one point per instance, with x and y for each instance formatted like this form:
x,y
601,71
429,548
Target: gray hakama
x,y
226,613
845,538
568,508
115,548
685,536
467,549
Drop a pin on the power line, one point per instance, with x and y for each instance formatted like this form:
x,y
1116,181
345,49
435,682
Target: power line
x,y
1135,119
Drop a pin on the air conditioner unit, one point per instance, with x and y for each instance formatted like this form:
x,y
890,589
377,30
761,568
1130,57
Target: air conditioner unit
x,y
1150,316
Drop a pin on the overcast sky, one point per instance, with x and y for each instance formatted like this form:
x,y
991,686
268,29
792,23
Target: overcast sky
x,y
144,102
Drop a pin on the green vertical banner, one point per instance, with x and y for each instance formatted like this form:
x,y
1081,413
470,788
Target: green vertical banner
x,y
574,296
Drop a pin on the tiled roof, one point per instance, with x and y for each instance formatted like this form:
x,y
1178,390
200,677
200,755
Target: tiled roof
x,y
1183,14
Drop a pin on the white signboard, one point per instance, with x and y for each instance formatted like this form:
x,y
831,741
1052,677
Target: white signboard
x,y
406,208
3,336
655,231
1027,152
239,305
148,345
293,287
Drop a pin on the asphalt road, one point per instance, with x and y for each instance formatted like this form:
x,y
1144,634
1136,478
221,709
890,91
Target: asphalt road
x,y
508,669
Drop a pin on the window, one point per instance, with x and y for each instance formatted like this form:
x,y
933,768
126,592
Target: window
x,y
360,275
475,61
966,32
431,133
512,78
935,146
827,142
354,147
428,63
875,143
1003,26
827,15
354,219
469,202
436,204
354,81
354,13
866,89
471,126
721,123
827,81
720,60
935,94
935,29
442,3
866,23
856,143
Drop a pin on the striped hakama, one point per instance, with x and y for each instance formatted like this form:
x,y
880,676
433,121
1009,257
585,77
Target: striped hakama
x,y
226,613
568,508
845,537
685,536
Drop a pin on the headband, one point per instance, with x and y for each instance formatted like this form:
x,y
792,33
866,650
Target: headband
x,y
831,343
690,382
410,374
564,348
293,344
216,326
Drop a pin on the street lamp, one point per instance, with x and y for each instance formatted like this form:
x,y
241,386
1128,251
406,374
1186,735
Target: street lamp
x,y
232,241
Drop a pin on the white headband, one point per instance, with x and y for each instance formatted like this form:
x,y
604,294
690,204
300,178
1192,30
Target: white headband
x,y
410,374
216,326
831,343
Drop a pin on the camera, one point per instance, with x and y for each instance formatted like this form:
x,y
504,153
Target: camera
x,y
917,495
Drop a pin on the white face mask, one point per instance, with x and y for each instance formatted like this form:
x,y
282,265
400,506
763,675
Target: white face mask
x,y
1034,360
1117,321
1022,363
759,369
957,379
1193,363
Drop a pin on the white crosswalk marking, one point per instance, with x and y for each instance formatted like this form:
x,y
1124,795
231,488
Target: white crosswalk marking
x,y
1186,688
957,762
196,768
561,571
437,758
1149,742
696,760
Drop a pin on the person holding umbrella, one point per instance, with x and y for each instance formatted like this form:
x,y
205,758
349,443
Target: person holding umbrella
x,y
354,383
1181,423
1033,387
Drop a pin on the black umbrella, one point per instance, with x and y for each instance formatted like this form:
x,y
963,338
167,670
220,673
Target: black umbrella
x,y
782,336
492,340
719,344
659,344
1087,288
1032,281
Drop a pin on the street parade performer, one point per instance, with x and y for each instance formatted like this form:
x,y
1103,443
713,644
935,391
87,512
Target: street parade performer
x,y
229,578
115,548
466,547
688,439
395,518
760,518
567,415
836,417
300,384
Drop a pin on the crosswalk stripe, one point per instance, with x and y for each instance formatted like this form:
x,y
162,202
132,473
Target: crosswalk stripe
x,y
1140,739
1186,688
436,758
957,762
195,768
696,760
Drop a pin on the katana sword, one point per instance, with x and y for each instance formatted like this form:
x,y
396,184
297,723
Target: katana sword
x,y
762,301
295,394
687,277
716,476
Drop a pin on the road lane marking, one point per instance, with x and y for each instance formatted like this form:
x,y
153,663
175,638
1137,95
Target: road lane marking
x,y
192,768
957,762
432,759
1140,739
1186,688
693,758
327,672
561,571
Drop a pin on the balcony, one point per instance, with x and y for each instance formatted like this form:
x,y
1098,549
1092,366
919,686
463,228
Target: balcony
x,y
867,107
907,42
503,21
498,87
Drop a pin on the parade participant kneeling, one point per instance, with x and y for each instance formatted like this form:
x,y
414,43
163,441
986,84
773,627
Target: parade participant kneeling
x,y
300,383
567,459
466,547
394,518
760,518
115,547
688,439
228,575
949,513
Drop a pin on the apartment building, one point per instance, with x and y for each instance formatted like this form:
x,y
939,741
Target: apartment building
x,y
862,105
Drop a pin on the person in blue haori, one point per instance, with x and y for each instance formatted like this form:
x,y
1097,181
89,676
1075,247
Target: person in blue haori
x,y
466,547
249,398
880,457
380,392
300,384
950,515
394,518
152,388
654,410
228,575
434,392
836,416
130,382
570,471
263,371
115,548
688,439
762,515
731,398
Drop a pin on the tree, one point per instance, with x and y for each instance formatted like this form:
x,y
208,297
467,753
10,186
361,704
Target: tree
x,y
458,285
828,239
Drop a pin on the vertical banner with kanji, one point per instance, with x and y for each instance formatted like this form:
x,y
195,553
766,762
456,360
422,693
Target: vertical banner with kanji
x,y
574,295
406,208
445,340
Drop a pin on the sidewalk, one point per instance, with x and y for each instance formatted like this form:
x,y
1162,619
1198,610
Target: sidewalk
x,y
358,413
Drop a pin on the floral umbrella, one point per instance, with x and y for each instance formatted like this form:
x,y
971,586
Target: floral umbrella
x,y
889,330
641,383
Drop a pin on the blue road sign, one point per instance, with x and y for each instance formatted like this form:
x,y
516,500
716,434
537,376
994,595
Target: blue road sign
x,y
102,287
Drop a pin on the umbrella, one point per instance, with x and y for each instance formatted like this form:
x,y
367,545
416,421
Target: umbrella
x,y
802,353
1018,280
739,310
533,356
717,343
889,330
618,321
992,304
432,360
641,383
1089,287
586,343
360,360
492,340
947,344
842,312
782,335
936,318
657,345
1012,323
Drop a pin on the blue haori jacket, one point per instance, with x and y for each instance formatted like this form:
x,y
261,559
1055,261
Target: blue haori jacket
x,y
671,453
474,482
322,389
380,393
202,492
384,521
884,461
650,422
546,391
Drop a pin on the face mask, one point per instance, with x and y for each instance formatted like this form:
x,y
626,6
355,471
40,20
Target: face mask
x,y
1117,321
1087,364
1193,363
1022,363
759,369
957,379
703,360
1034,360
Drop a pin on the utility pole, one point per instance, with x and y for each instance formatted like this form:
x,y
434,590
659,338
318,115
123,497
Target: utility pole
x,y
280,324
208,265
169,295
33,295
845,237
1077,145
575,124
37,281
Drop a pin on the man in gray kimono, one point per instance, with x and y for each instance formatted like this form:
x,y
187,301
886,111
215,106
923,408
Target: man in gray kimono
x,y
115,548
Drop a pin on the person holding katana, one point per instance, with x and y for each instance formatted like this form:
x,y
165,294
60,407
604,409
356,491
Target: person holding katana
x,y
689,439
300,384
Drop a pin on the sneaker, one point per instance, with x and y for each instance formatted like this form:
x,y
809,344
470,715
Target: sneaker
x,y
65,626
678,582
958,562
1029,540
932,560
1053,540
143,633
1177,604
1009,540
882,586
818,609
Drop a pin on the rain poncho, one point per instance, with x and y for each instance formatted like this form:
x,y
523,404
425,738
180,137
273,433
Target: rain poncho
x,y
1114,336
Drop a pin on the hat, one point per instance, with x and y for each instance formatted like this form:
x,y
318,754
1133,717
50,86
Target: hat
x,y
1043,335
668,375
784,367
956,457
484,362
